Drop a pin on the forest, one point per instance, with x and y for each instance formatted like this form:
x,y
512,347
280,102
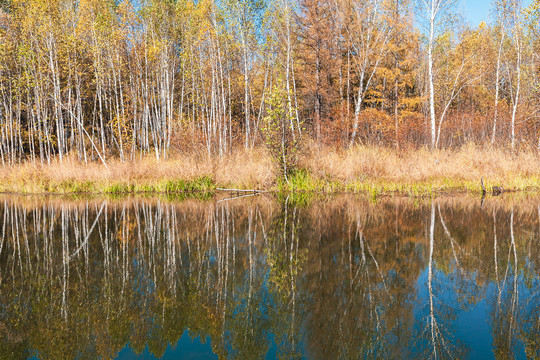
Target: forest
x,y
95,80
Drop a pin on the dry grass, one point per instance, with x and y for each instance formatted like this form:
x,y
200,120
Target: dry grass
x,y
359,169
248,169
450,169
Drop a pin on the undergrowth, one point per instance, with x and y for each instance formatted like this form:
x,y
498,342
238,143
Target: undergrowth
x,y
370,171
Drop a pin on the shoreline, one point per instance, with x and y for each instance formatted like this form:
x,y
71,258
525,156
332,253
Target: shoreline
x,y
206,188
372,171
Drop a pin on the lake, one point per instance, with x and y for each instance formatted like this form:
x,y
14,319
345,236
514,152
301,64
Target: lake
x,y
272,277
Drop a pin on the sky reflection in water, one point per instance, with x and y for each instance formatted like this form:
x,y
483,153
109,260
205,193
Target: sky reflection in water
x,y
269,278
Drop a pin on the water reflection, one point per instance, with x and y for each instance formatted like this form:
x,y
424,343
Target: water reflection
x,y
260,277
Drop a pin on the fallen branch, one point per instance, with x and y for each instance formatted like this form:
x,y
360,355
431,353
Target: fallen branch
x,y
237,197
241,190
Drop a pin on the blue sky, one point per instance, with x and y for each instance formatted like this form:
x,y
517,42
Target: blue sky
x,y
478,10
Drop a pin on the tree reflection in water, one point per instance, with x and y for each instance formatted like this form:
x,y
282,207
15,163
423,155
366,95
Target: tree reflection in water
x,y
335,278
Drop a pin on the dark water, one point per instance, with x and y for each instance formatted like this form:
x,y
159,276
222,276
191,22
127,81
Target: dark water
x,y
265,277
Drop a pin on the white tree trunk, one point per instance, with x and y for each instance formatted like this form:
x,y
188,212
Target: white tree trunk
x,y
497,77
430,73
518,86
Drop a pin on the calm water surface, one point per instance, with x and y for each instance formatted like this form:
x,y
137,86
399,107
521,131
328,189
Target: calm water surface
x,y
269,277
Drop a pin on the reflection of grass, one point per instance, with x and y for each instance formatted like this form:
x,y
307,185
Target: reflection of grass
x,y
311,254
296,199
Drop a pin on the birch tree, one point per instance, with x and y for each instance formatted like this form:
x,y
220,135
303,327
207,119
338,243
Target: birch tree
x,y
516,33
281,47
500,24
368,37
458,67
245,17
433,14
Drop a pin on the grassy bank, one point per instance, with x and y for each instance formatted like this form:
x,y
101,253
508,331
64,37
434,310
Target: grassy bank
x,y
372,170
419,172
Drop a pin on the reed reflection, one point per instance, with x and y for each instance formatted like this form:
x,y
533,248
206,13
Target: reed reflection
x,y
339,278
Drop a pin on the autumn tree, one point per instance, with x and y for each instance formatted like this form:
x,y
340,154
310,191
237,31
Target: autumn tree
x,y
533,33
367,35
97,80
396,87
320,58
